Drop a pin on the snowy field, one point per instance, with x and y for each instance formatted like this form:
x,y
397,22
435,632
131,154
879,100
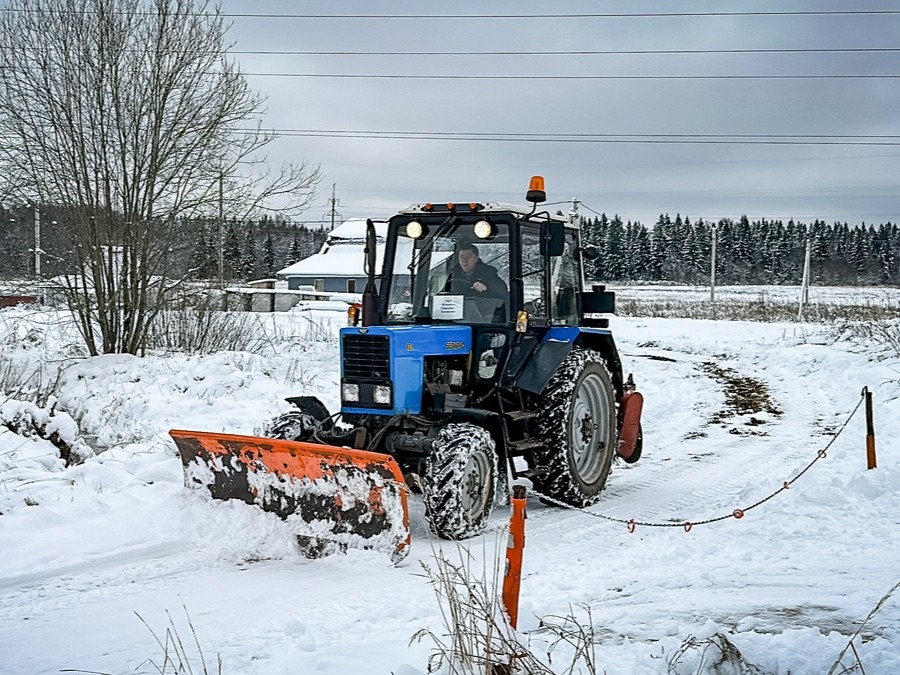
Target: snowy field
x,y
825,295
99,557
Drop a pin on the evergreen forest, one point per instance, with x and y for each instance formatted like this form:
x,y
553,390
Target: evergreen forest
x,y
763,251
250,249
673,250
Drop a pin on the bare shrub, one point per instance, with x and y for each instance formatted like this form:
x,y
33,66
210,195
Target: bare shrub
x,y
199,327
33,421
761,310
884,335
29,381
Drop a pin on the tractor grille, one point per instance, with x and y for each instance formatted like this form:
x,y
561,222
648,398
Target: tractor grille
x,y
366,357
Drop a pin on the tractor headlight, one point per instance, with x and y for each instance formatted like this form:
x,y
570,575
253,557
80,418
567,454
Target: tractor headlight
x,y
350,392
382,394
484,230
415,229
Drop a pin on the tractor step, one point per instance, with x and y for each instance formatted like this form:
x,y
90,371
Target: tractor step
x,y
520,415
526,444
532,473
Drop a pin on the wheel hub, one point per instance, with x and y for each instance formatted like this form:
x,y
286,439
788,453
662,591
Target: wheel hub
x,y
588,427
474,492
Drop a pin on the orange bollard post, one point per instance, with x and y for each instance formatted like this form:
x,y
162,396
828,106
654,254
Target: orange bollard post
x,y
512,579
870,430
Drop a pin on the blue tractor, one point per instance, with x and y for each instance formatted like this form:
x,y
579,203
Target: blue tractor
x,y
478,356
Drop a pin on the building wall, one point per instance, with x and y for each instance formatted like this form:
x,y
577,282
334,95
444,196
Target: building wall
x,y
329,284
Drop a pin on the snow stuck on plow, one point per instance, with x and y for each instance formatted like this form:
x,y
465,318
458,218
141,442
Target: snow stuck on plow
x,y
333,498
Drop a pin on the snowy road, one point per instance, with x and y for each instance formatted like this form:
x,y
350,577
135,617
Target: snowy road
x,y
787,583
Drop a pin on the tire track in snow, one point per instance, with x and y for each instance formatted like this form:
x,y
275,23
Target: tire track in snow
x,y
697,478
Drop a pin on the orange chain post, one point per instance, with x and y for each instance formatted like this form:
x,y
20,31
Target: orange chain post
x,y
512,579
870,430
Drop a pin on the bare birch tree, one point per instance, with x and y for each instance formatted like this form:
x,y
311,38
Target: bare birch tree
x,y
130,116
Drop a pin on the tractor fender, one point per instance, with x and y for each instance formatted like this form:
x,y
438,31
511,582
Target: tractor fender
x,y
483,418
555,347
494,423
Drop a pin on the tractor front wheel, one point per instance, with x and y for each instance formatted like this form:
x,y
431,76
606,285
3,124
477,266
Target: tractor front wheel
x,y
460,481
577,426
293,425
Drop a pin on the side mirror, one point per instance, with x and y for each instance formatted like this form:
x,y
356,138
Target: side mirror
x,y
553,238
590,253
598,301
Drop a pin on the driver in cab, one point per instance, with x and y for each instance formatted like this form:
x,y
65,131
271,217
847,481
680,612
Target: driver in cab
x,y
473,278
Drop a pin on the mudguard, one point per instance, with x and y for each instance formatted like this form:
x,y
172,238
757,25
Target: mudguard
x,y
334,498
630,407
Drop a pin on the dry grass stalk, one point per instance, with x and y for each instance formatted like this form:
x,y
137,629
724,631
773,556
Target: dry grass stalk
x,y
177,658
857,665
715,654
478,639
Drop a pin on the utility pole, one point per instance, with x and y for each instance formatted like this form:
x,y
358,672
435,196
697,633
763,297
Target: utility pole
x,y
37,241
573,212
804,284
334,202
712,269
221,231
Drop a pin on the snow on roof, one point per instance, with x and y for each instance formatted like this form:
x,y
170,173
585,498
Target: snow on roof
x,y
355,230
345,260
342,254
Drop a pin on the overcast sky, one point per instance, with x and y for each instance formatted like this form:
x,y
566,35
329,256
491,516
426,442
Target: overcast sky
x,y
849,171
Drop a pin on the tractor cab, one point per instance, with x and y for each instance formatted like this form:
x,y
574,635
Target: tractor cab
x,y
480,264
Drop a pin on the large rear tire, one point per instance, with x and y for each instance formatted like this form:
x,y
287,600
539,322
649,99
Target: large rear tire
x,y
577,425
460,481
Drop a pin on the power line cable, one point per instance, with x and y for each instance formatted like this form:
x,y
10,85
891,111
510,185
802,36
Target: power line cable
x,y
584,52
391,76
683,139
580,15
585,135
561,52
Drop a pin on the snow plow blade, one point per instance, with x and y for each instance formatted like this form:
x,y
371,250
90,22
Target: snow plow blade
x,y
334,498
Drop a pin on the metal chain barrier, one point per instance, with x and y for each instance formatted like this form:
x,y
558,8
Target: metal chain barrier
x,y
632,523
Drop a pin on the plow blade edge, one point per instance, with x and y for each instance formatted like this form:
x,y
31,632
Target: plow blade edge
x,y
334,498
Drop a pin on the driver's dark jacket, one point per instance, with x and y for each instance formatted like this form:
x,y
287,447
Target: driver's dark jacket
x,y
461,283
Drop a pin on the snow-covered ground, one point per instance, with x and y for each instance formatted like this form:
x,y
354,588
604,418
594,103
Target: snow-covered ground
x,y
847,295
95,557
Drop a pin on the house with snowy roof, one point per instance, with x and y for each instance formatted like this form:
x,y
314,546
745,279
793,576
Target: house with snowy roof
x,y
339,266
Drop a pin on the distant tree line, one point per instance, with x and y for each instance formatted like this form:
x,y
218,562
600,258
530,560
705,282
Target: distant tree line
x,y
251,249
673,250
747,252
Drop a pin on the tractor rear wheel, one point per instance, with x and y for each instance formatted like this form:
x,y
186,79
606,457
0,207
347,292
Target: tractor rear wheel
x,y
577,426
460,481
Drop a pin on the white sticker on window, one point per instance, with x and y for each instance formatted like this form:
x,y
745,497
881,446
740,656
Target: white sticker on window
x,y
447,307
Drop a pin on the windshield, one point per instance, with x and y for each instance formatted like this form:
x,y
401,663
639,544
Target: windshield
x,y
449,275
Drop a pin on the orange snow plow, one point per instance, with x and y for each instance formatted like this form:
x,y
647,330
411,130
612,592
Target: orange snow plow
x,y
334,498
